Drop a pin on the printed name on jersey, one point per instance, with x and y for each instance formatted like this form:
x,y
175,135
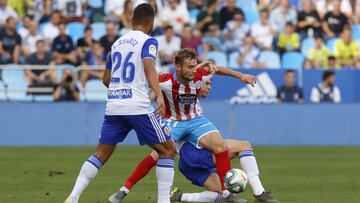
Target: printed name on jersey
x,y
152,50
130,41
120,94
187,98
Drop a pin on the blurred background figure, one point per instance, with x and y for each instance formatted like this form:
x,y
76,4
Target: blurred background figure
x,y
346,50
263,32
208,20
309,22
126,16
191,39
326,91
109,38
334,21
63,48
169,44
6,12
94,59
40,77
227,12
289,92
84,44
318,55
66,90
175,15
249,55
29,41
10,42
51,30
281,15
235,32
288,40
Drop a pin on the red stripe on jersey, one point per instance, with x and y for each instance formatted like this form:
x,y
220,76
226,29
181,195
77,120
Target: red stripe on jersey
x,y
187,106
167,106
195,105
175,93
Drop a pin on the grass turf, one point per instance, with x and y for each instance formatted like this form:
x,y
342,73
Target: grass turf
x,y
294,174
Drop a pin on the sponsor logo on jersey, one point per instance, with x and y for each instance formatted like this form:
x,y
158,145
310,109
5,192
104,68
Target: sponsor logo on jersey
x,y
120,94
187,98
152,50
263,92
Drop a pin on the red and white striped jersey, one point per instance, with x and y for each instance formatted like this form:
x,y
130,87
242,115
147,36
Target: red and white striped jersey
x,y
182,101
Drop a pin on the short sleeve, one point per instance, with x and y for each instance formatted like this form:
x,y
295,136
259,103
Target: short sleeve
x,y
149,49
108,65
203,74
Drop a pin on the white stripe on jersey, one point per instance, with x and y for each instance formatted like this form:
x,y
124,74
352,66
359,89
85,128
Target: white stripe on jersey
x,y
167,87
182,106
192,106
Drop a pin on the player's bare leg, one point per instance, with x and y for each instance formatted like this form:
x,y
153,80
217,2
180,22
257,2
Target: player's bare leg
x,y
215,143
89,170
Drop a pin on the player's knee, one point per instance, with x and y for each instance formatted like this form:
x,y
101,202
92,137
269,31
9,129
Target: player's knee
x,y
247,145
167,152
154,155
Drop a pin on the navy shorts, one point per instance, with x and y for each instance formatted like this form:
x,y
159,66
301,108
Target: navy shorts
x,y
196,164
149,128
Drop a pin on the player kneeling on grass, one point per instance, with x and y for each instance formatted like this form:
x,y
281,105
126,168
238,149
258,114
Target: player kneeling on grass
x,y
198,166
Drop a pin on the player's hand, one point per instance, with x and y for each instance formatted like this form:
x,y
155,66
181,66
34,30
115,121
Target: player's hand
x,y
160,111
209,65
248,79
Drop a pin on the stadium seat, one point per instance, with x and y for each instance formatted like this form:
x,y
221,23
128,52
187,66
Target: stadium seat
x,y
95,3
19,25
271,59
95,91
99,30
247,5
355,30
306,45
292,60
43,98
2,91
193,15
42,26
252,16
76,30
218,57
14,78
233,59
331,44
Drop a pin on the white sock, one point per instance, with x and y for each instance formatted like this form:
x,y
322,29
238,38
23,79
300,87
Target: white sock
x,y
87,173
165,177
249,165
225,194
201,197
124,189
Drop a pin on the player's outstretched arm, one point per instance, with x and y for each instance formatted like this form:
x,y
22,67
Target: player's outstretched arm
x,y
152,79
244,78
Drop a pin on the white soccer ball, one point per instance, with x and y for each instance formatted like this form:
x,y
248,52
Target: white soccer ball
x,y
236,180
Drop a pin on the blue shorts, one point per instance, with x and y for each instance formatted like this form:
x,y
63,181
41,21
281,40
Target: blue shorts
x,y
196,164
150,129
191,130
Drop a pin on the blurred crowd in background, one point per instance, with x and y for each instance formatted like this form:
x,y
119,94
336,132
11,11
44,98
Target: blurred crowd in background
x,y
295,34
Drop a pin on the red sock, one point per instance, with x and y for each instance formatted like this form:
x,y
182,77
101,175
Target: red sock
x,y
141,170
222,165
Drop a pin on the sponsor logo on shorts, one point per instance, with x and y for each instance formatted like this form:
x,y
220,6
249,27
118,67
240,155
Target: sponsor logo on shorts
x,y
120,94
187,98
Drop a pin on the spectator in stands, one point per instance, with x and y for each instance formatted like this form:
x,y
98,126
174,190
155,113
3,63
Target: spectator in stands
x,y
10,43
157,30
208,20
51,30
72,10
281,15
289,40
323,6
227,12
190,40
114,9
334,21
126,16
63,48
66,90
84,44
249,55
39,9
318,55
263,32
175,15
94,57
29,42
235,32
327,91
40,77
289,92
169,44
309,23
110,37
346,50
24,30
6,12
333,63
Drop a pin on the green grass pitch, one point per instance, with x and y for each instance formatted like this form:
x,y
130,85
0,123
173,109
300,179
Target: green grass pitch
x,y
293,174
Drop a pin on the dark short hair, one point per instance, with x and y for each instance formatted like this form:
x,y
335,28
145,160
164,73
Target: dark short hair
x,y
143,14
327,74
211,2
264,10
289,71
168,27
87,28
331,57
289,24
184,54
